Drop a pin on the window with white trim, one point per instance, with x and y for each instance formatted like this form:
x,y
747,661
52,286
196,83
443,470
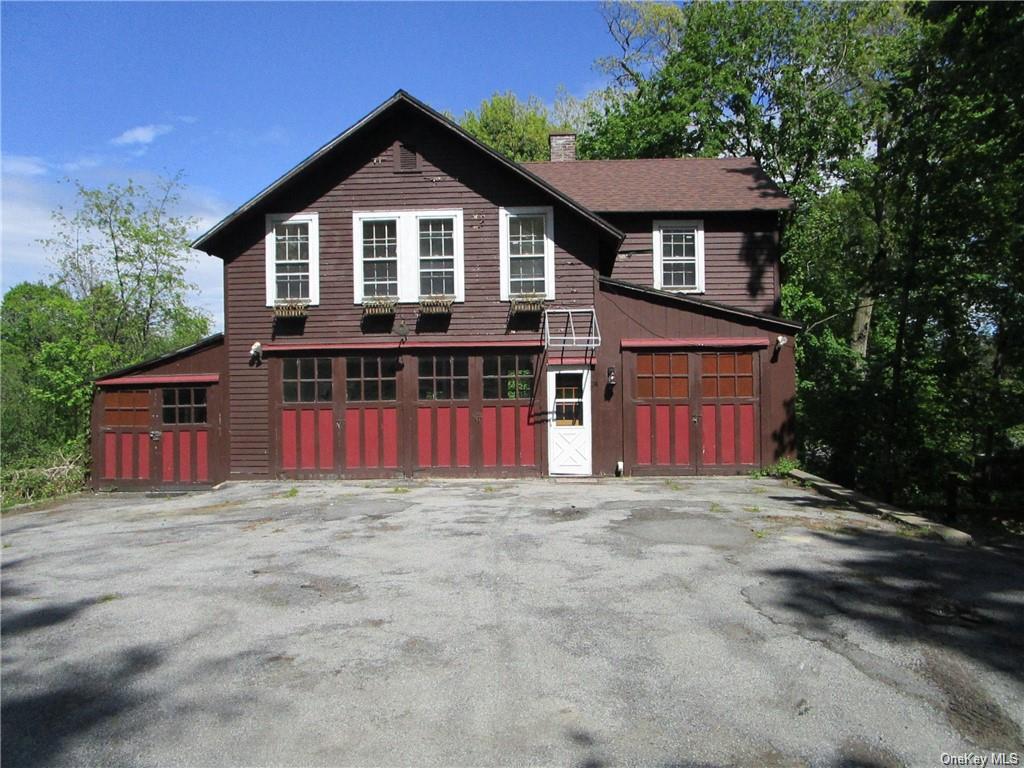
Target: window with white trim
x,y
527,252
437,257
292,258
408,255
679,256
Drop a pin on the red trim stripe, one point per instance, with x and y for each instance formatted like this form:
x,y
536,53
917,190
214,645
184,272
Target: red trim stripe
x,y
467,344
710,342
184,378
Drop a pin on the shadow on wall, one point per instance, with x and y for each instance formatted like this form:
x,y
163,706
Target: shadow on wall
x,y
759,253
785,436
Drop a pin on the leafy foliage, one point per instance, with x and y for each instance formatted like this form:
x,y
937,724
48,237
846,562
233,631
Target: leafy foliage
x,y
898,131
517,129
119,296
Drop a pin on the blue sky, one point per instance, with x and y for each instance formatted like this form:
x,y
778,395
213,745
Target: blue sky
x,y
234,94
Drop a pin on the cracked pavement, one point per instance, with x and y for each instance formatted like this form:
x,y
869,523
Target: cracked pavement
x,y
684,622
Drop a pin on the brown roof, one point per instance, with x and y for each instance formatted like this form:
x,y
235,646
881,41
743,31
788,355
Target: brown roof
x,y
669,184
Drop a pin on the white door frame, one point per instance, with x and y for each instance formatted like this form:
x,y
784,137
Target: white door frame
x,y
579,438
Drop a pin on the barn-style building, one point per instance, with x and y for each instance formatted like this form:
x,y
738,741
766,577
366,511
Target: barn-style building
x,y
409,302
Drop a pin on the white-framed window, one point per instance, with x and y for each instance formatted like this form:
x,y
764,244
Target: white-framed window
x,y
679,256
406,255
527,251
292,247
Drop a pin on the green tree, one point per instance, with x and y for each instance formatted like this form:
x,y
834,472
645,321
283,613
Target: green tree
x,y
124,249
517,129
119,296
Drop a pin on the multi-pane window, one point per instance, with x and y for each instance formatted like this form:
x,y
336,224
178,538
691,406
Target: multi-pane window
x,y
370,378
126,408
678,255
508,377
184,405
662,375
526,254
727,374
380,258
292,245
444,377
569,399
437,257
307,380
291,260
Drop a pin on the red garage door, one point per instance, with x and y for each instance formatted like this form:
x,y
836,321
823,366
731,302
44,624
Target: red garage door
x,y
691,412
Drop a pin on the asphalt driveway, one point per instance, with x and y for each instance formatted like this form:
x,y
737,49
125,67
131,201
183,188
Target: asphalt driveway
x,y
680,623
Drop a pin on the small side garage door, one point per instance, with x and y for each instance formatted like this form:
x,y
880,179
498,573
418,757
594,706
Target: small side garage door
x,y
691,412
157,436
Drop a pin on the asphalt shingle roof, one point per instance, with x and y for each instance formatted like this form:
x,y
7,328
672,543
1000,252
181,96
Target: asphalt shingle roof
x,y
668,184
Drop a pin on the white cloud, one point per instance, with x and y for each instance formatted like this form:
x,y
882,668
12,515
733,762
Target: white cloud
x,y
23,165
25,210
142,134
82,163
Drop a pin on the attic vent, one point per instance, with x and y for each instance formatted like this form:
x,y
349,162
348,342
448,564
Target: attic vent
x,y
407,161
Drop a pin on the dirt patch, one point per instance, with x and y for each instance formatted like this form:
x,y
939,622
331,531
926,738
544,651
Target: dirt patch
x,y
969,709
565,514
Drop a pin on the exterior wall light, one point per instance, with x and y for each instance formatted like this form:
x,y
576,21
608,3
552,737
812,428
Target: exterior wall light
x,y
611,375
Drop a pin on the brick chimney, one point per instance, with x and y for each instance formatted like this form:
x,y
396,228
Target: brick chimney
x,y
563,147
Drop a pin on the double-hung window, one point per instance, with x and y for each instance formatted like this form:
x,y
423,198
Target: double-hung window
x,y
408,255
437,256
293,258
679,256
527,253
380,258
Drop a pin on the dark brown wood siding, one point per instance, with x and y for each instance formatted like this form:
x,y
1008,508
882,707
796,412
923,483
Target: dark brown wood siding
x,y
363,177
623,315
740,256
207,360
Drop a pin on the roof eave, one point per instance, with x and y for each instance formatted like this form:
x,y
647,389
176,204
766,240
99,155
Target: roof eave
x,y
203,343
689,300
203,240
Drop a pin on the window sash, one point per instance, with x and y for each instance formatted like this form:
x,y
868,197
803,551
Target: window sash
x,y
437,256
307,380
380,257
679,257
527,253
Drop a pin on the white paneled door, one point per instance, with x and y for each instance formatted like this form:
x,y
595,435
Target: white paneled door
x,y
569,432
